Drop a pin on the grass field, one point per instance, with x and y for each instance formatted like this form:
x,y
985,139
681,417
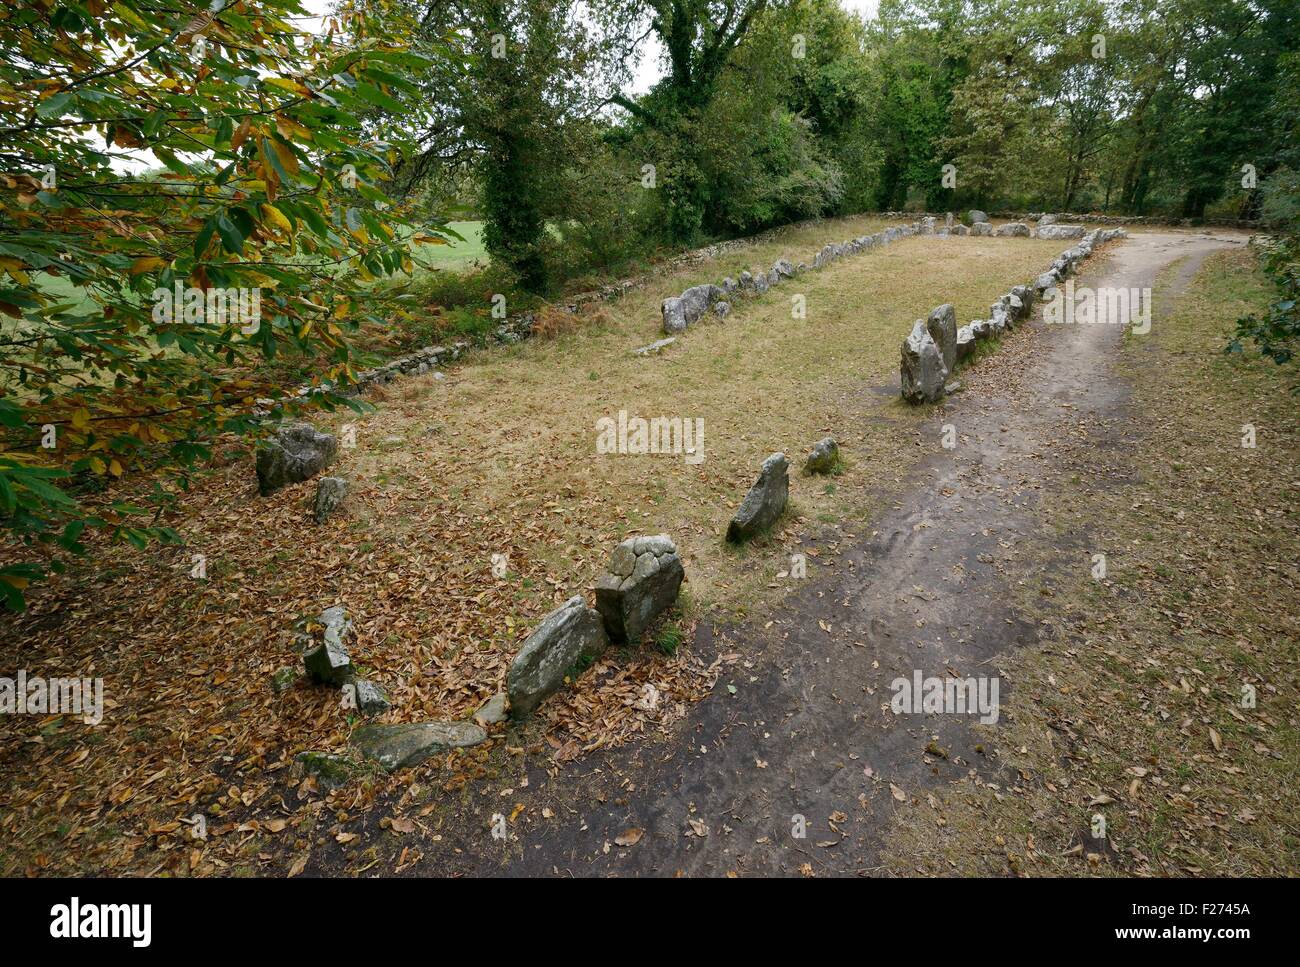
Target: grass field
x,y
498,458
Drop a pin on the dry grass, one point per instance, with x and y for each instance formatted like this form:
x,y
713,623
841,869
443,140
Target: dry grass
x,y
498,457
1132,706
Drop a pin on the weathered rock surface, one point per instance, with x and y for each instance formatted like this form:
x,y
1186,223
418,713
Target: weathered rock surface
x,y
570,633
371,699
396,747
329,661
1060,231
1046,219
942,326
978,216
1012,230
640,582
982,228
825,456
965,343
295,453
330,492
687,308
493,712
921,369
765,501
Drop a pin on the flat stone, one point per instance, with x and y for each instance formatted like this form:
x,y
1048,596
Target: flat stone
x,y
981,228
1012,230
396,747
655,347
331,771
1060,231
765,502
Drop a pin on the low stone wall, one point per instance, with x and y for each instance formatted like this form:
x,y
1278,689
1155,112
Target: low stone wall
x,y
679,312
935,346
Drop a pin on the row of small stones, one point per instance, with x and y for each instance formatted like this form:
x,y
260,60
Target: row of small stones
x,y
1099,219
759,282
1015,304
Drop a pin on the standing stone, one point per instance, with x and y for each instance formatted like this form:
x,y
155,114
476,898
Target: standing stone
x,y
297,452
927,225
981,228
1045,281
942,326
921,368
978,216
965,343
765,501
329,661
371,699
640,582
783,268
825,456
681,311
568,634
330,492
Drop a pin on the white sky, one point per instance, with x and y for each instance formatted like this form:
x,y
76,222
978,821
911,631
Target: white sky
x,y
649,69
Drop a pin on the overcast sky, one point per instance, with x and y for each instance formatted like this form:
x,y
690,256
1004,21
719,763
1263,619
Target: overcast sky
x,y
649,69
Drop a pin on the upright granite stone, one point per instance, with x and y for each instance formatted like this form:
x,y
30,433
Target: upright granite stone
x,y
687,308
640,582
329,661
295,453
330,492
965,343
921,369
942,326
568,634
825,456
764,503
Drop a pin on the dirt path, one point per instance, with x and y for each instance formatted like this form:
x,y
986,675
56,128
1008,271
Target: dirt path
x,y
802,727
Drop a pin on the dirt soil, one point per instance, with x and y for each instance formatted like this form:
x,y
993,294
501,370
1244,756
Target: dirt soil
x,y
798,736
